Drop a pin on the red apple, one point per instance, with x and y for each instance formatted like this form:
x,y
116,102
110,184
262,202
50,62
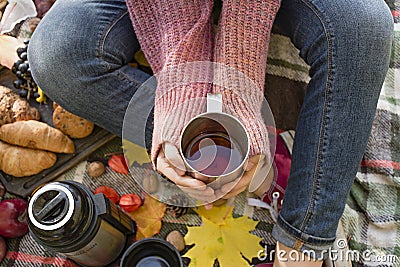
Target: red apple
x,y
13,218
3,248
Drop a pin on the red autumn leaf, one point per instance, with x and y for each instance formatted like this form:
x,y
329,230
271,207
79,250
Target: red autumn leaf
x,y
119,164
130,202
108,192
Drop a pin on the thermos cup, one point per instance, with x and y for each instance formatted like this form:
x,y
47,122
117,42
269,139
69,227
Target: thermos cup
x,y
67,218
151,252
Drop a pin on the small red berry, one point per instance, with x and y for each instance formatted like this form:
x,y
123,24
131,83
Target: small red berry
x,y
108,192
119,164
130,202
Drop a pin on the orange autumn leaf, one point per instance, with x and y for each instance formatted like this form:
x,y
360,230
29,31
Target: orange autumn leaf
x,y
148,217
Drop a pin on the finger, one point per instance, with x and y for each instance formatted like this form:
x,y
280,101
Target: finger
x,y
232,180
257,159
201,177
236,187
262,180
229,186
219,182
174,158
238,183
207,197
185,181
203,198
261,173
235,192
208,206
248,165
259,162
205,191
219,194
225,196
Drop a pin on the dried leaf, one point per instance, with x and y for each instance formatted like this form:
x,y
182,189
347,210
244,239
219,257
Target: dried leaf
x,y
148,217
135,153
118,164
141,59
217,214
222,237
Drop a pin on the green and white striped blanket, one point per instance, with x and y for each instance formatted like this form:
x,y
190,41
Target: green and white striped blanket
x,y
372,215
371,219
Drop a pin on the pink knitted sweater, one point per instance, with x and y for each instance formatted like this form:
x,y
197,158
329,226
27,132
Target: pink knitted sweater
x,y
176,32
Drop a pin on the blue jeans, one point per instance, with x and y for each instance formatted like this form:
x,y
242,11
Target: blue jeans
x,y
79,55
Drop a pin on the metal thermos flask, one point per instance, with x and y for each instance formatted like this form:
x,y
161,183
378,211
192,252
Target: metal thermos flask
x,y
67,218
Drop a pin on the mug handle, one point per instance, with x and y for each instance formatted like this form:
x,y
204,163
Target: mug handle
x,y
214,103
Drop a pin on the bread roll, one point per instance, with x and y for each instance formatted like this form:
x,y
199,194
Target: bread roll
x,y
70,124
19,161
14,108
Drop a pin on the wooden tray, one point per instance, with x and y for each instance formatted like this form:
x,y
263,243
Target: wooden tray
x,y
24,186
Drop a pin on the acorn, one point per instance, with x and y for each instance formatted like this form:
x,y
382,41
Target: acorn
x,y
150,183
95,169
176,239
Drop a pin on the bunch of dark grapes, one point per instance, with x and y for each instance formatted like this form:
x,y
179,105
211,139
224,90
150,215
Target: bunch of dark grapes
x,y
24,83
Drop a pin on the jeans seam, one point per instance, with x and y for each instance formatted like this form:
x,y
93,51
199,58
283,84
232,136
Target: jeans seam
x,y
103,38
290,230
323,128
121,75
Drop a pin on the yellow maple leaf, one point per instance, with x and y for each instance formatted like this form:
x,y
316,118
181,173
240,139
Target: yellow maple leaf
x,y
217,214
222,237
148,217
135,153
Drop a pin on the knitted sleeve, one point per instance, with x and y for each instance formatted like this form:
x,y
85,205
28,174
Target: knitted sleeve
x,y
242,44
172,33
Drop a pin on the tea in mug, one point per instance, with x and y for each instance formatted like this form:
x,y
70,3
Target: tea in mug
x,y
213,154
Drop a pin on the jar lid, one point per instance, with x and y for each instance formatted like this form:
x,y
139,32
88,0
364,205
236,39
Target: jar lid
x,y
51,207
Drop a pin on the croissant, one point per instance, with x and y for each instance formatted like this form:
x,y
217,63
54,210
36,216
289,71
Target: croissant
x,y
37,135
20,161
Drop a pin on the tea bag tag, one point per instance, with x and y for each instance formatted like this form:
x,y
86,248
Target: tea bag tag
x,y
214,103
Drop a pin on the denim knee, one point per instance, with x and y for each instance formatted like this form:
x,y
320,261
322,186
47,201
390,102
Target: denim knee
x,y
79,56
347,43
53,71
61,58
367,23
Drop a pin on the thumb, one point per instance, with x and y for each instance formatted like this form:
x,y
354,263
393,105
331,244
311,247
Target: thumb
x,y
174,158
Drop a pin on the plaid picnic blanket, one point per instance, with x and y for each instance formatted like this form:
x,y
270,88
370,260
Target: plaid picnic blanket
x,y
372,215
